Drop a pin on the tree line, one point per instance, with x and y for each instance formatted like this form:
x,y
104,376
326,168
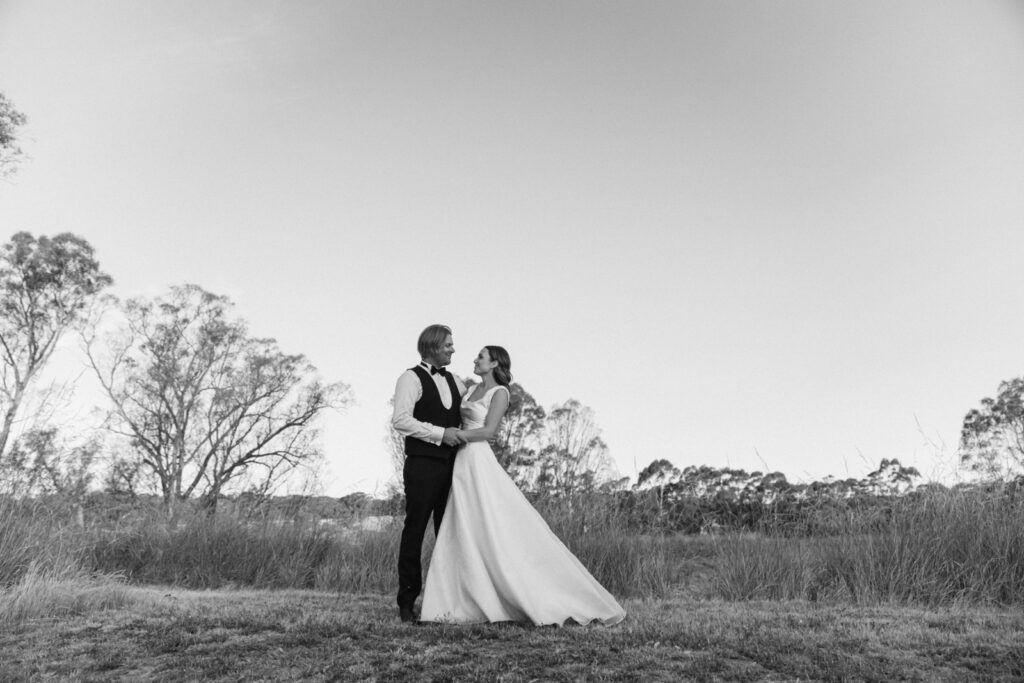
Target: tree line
x,y
198,407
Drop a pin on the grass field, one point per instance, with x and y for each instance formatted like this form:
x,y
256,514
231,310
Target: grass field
x,y
934,593
247,635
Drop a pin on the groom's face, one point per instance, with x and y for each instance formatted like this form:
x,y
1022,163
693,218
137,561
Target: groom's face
x,y
444,355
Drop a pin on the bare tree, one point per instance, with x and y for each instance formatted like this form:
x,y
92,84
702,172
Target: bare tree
x,y
205,404
45,286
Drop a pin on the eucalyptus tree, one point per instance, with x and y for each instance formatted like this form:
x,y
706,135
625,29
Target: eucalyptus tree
x,y
574,457
10,121
46,285
658,474
520,435
205,405
992,436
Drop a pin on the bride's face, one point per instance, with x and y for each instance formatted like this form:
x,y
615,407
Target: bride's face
x,y
483,363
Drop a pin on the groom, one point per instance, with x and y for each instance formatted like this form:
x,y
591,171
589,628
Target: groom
x,y
427,403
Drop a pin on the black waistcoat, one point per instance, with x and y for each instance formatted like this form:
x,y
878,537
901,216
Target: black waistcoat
x,y
430,409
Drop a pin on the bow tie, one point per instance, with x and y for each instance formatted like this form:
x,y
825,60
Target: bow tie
x,y
437,371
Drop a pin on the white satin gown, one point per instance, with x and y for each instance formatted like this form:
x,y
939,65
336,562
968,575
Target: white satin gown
x,y
496,559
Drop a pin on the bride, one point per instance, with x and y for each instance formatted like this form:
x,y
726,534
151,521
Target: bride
x,y
495,558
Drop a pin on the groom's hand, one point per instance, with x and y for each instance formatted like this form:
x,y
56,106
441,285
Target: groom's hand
x,y
451,437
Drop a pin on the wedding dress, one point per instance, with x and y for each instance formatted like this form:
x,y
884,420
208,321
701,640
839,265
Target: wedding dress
x,y
496,559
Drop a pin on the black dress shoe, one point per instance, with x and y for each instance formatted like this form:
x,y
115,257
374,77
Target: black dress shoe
x,y
407,614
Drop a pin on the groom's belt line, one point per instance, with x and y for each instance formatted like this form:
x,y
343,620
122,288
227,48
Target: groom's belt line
x,y
434,456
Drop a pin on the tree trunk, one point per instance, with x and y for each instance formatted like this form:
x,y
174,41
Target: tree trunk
x,y
209,501
171,501
12,410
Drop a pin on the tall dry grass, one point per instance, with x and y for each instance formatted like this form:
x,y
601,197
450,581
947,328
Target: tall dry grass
x,y
366,561
229,551
215,552
234,551
42,567
626,561
36,536
60,592
938,547
297,552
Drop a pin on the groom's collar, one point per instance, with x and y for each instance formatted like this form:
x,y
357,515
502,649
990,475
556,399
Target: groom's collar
x,y
431,368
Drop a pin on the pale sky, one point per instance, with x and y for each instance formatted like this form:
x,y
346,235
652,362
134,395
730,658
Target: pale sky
x,y
780,235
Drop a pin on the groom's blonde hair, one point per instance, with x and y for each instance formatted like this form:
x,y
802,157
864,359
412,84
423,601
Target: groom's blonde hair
x,y
432,339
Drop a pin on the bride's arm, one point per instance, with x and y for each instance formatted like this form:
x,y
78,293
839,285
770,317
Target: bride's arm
x,y
496,411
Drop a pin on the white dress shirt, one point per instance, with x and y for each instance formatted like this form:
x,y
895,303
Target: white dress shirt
x,y
408,391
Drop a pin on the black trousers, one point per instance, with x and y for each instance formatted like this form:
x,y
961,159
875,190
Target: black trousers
x,y
427,482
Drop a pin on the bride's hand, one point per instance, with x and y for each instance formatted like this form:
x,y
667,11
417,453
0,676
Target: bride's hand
x,y
461,435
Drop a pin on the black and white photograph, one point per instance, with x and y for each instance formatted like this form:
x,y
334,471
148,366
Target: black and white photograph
x,y
511,340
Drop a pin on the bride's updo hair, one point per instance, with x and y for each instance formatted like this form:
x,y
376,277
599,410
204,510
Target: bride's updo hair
x,y
502,373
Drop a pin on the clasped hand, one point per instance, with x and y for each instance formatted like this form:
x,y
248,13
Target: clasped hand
x,y
452,437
